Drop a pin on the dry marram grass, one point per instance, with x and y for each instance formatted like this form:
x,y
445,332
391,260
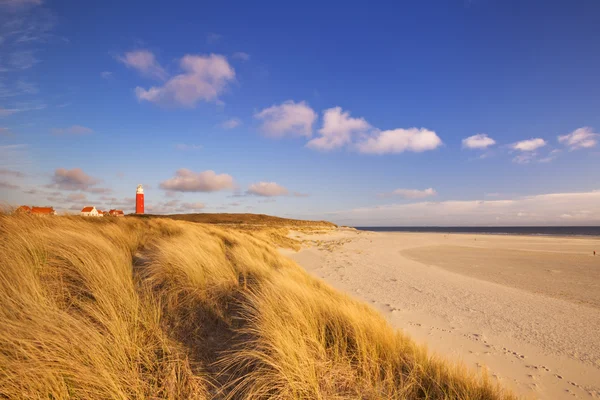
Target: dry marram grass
x,y
154,308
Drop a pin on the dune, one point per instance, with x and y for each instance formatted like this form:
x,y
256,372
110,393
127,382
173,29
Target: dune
x,y
122,308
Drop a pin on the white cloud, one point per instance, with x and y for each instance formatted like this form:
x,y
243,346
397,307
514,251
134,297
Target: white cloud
x,y
144,62
240,55
231,123
544,209
288,118
479,141
337,130
412,193
529,145
399,140
203,78
190,181
72,179
267,189
106,74
72,130
582,138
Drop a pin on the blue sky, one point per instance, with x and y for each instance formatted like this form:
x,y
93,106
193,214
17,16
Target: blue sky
x,y
474,112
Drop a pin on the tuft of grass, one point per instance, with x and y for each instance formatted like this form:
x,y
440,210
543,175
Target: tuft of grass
x,y
125,308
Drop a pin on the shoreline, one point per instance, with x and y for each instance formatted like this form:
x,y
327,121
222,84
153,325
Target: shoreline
x,y
539,345
440,230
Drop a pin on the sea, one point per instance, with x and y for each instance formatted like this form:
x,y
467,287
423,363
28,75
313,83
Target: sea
x,y
493,230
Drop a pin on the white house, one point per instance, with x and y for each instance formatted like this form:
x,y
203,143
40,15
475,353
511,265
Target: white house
x,y
90,211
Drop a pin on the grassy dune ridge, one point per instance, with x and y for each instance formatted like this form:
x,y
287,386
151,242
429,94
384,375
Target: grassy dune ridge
x,y
156,308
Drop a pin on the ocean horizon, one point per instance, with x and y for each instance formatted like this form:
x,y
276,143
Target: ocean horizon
x,y
492,230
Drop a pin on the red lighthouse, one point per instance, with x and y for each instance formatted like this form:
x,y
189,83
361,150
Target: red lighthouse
x,y
139,200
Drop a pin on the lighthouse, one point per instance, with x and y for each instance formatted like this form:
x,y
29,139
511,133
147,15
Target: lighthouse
x,y
139,200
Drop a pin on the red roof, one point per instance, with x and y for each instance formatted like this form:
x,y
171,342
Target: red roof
x,y
116,212
42,210
23,209
87,209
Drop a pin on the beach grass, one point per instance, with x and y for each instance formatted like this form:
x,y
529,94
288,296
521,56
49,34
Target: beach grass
x,y
146,308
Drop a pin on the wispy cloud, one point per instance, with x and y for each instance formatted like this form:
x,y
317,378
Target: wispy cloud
x,y
5,112
411,193
10,172
231,123
22,59
72,130
188,147
106,74
213,38
6,132
19,88
18,5
550,156
23,26
240,55
14,156
8,185
543,209
192,206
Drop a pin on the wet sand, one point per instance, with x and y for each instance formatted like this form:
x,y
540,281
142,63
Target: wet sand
x,y
526,308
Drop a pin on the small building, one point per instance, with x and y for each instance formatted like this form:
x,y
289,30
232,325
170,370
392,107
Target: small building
x,y
116,213
100,213
42,211
23,210
89,211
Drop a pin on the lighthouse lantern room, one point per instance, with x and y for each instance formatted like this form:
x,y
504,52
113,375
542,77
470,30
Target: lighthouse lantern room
x,y
139,200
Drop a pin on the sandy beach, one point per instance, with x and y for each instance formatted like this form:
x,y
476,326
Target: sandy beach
x,y
526,308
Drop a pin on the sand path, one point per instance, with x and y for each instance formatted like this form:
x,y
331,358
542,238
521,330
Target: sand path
x,y
527,308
